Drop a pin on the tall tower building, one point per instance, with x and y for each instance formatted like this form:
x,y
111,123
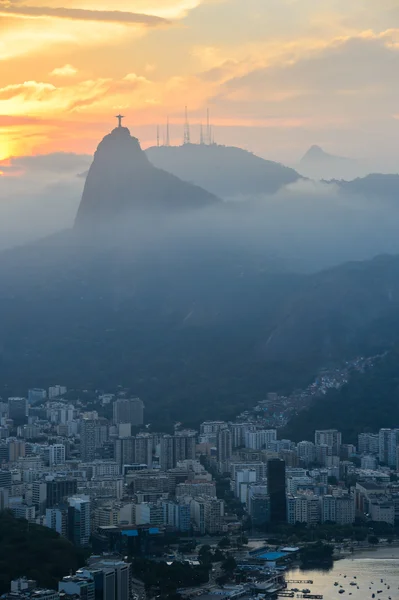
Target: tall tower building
x,y
329,437
184,446
128,410
125,451
18,410
224,449
143,449
88,439
167,452
79,520
276,490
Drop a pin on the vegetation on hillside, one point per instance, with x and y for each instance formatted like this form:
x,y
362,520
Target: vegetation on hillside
x,y
37,552
368,402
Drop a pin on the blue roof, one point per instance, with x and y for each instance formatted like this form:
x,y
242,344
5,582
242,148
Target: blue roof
x,y
130,532
153,530
272,555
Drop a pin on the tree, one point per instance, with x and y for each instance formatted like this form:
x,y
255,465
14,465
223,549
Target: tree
x,y
224,543
221,580
205,555
229,565
373,539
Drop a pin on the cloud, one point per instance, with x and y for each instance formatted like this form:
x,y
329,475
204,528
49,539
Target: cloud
x,y
39,195
65,71
81,14
60,163
334,82
28,90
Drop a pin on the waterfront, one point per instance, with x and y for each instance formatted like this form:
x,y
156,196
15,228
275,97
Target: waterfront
x,y
367,566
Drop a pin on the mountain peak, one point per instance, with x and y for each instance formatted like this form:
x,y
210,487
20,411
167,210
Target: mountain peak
x,y
315,153
121,179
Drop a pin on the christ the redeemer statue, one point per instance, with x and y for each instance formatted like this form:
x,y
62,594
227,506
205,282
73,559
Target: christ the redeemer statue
x,y
119,117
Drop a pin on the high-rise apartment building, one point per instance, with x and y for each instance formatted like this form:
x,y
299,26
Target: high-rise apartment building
x,y
18,410
56,391
112,579
58,490
88,439
167,460
369,443
57,519
57,454
306,452
329,437
128,410
125,451
224,449
143,449
36,395
184,445
16,450
257,440
79,520
276,490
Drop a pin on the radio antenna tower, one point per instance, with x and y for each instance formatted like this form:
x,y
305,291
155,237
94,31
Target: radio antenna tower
x,y
186,139
167,143
208,128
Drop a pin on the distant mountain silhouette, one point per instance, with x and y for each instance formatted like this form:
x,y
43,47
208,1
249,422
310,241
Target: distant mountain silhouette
x,y
223,170
318,164
121,179
350,309
375,186
195,312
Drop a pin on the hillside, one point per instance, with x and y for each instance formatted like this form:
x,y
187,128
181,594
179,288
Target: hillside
x,y
377,187
121,181
36,552
198,331
182,326
222,170
339,312
368,402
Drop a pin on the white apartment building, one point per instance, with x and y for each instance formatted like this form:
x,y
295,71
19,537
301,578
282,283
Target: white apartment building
x,y
57,454
256,440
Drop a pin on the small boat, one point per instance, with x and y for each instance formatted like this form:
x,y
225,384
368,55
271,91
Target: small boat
x,y
341,591
336,583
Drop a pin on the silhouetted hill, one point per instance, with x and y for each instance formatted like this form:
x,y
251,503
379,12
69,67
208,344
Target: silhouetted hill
x,y
377,187
368,402
318,164
121,179
180,322
341,311
198,330
223,170
36,552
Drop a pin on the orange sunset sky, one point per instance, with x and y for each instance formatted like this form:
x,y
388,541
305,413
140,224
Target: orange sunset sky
x,y
277,75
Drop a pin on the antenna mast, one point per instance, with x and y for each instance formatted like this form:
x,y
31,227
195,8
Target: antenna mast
x,y
208,129
186,138
167,133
